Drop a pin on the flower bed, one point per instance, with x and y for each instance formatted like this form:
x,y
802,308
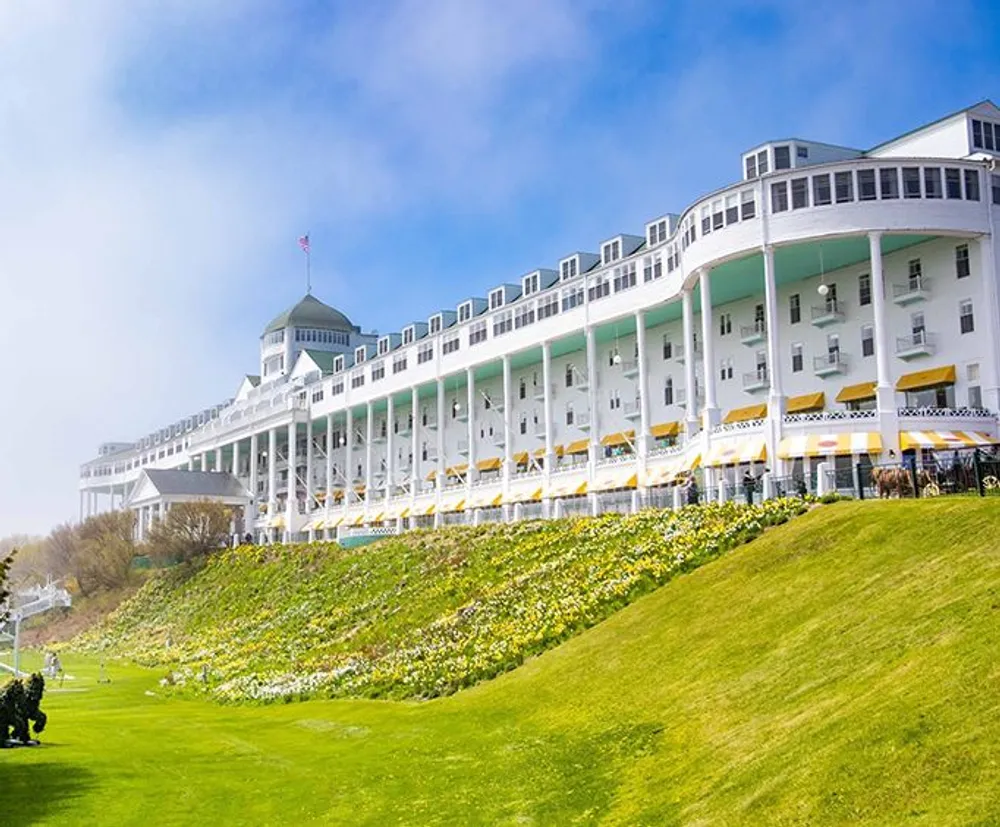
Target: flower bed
x,y
419,615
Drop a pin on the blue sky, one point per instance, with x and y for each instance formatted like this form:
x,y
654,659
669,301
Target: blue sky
x,y
159,160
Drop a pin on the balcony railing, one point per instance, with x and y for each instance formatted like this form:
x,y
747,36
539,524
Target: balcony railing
x,y
918,343
754,333
582,420
632,410
832,363
828,416
679,354
757,380
914,289
830,312
947,413
630,369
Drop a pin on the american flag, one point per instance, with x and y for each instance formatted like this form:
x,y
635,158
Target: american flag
x,y
304,243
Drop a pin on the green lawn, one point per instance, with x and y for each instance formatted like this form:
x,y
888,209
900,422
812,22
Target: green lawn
x,y
843,668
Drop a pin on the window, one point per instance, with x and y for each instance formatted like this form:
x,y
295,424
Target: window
x,y
962,261
549,305
821,190
612,355
529,284
625,277
725,324
918,328
668,391
477,333
503,323
762,162
465,312
652,267
668,348
726,369
782,158
383,346
779,197
524,315
399,364
932,182
496,299
953,183
523,424
971,185
450,345
378,371
800,193
843,185
966,322
888,183
408,335
796,358
975,391
599,288
864,289
569,413
658,232
436,323
611,251
977,134
911,182
522,389
915,274
614,400
794,308
572,297
801,152
751,166
732,210
748,207
989,141
357,380
425,353
717,215
995,187
866,184
568,269
338,388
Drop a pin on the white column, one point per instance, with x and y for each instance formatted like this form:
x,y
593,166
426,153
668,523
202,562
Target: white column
x,y
990,372
415,432
547,405
470,386
508,426
349,457
292,503
272,473
329,461
776,396
218,461
691,424
390,446
440,434
369,471
190,462
711,418
642,438
885,395
236,459
254,450
595,433
309,464
81,505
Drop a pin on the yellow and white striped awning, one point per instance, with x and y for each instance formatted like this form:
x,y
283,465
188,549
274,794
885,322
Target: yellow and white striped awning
x,y
484,498
355,519
569,485
737,451
317,524
424,507
396,509
829,445
452,503
667,472
524,491
277,521
375,517
611,479
943,440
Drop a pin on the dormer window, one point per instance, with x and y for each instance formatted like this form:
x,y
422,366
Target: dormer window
x,y
801,152
465,312
530,284
762,166
657,232
751,167
383,346
435,323
359,355
782,157
496,298
985,135
338,363
568,269
408,335
612,251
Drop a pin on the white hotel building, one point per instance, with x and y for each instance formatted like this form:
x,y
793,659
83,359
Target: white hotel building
x,y
835,305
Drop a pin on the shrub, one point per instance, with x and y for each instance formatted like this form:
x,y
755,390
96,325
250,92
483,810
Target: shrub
x,y
189,531
19,707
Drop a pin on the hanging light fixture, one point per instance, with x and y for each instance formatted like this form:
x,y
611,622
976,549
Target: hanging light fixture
x,y
823,289
617,358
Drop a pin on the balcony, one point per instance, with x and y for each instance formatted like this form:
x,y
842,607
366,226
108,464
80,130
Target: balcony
x,y
680,399
582,421
830,312
429,424
758,380
630,370
832,364
680,356
580,379
460,413
463,447
403,430
633,410
753,334
539,392
379,439
919,343
539,430
916,289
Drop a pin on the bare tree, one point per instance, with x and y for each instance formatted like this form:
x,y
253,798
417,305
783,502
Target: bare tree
x,y
189,531
104,551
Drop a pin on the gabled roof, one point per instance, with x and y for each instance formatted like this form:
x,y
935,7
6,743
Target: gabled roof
x,y
917,129
205,484
311,312
322,358
253,380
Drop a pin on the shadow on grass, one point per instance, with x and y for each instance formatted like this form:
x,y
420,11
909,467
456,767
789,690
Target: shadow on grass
x,y
34,792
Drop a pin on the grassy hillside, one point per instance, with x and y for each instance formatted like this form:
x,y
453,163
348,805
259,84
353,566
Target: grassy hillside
x,y
422,614
841,669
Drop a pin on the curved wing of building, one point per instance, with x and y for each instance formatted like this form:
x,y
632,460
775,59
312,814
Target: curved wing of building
x,y
834,307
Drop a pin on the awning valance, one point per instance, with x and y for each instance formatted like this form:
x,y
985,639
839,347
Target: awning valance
x,y
570,485
611,479
737,451
806,403
396,510
491,464
457,470
747,414
826,445
943,440
931,378
521,458
581,446
620,438
857,393
314,525
277,521
336,521
525,491
452,503
489,498
665,429
557,450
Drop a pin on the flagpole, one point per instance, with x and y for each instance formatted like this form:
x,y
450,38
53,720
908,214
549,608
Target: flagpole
x,y
308,265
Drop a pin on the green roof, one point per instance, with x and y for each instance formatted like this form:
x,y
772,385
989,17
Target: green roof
x,y
311,312
322,358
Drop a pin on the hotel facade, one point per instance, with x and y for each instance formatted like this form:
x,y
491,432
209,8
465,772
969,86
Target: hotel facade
x,y
834,307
